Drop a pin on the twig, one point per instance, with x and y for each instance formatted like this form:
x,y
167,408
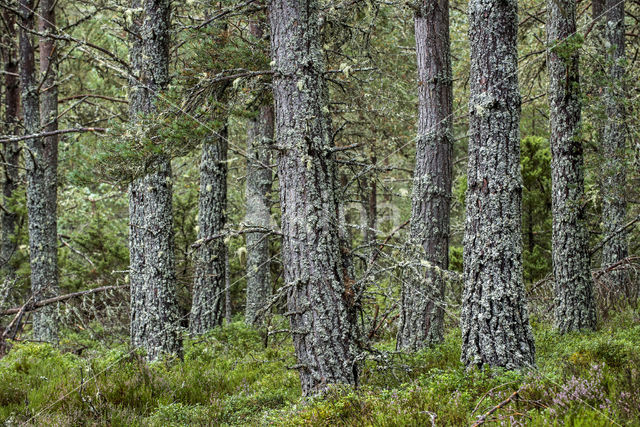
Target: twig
x,y
6,139
502,404
60,298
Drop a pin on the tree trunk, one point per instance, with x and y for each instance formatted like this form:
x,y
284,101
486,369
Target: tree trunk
x,y
614,205
495,324
422,311
320,299
10,150
208,306
154,307
259,181
41,165
575,307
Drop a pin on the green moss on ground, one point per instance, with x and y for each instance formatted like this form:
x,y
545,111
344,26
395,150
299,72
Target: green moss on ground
x,y
228,377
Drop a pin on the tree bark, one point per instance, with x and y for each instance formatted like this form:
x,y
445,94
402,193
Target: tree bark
x,y
574,303
41,165
208,306
258,207
614,205
320,298
11,149
422,310
495,325
154,308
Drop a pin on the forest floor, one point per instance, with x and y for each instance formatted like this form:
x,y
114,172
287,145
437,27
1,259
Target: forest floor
x,y
229,378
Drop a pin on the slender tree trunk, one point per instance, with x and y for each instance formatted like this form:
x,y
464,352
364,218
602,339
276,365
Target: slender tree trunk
x,y
10,150
208,306
41,164
614,205
154,307
495,325
422,311
258,206
575,307
320,299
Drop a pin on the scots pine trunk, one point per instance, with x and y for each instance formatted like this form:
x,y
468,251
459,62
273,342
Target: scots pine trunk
x,y
41,163
208,305
574,303
10,150
154,309
422,310
614,206
495,325
320,299
258,207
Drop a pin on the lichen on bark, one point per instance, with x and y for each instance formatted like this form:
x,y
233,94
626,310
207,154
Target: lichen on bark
x,y
573,286
422,309
154,309
494,319
258,212
320,302
208,302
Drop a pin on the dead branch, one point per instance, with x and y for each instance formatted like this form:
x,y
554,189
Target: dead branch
x,y
60,298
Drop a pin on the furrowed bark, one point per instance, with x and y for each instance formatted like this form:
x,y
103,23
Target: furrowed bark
x,y
10,150
614,205
422,310
41,165
154,309
258,207
494,323
208,305
320,300
574,303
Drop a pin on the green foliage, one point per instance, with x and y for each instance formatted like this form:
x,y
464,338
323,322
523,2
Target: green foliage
x,y
228,377
536,207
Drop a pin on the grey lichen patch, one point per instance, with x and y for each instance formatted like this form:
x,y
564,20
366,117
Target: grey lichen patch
x,y
422,309
314,267
574,302
494,320
209,284
154,310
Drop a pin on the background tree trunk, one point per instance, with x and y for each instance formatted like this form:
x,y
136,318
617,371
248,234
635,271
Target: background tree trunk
x,y
208,306
10,150
614,205
422,310
41,164
259,181
575,307
495,326
320,301
154,309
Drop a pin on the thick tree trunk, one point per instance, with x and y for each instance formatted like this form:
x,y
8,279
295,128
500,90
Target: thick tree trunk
x,y
41,165
575,307
10,150
154,308
258,206
495,325
422,311
320,298
208,306
614,205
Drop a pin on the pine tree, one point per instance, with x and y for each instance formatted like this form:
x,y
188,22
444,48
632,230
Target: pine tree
x,y
422,312
494,323
41,160
575,307
320,299
154,310
614,205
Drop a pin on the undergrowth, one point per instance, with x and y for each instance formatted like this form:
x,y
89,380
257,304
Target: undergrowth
x,y
229,378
